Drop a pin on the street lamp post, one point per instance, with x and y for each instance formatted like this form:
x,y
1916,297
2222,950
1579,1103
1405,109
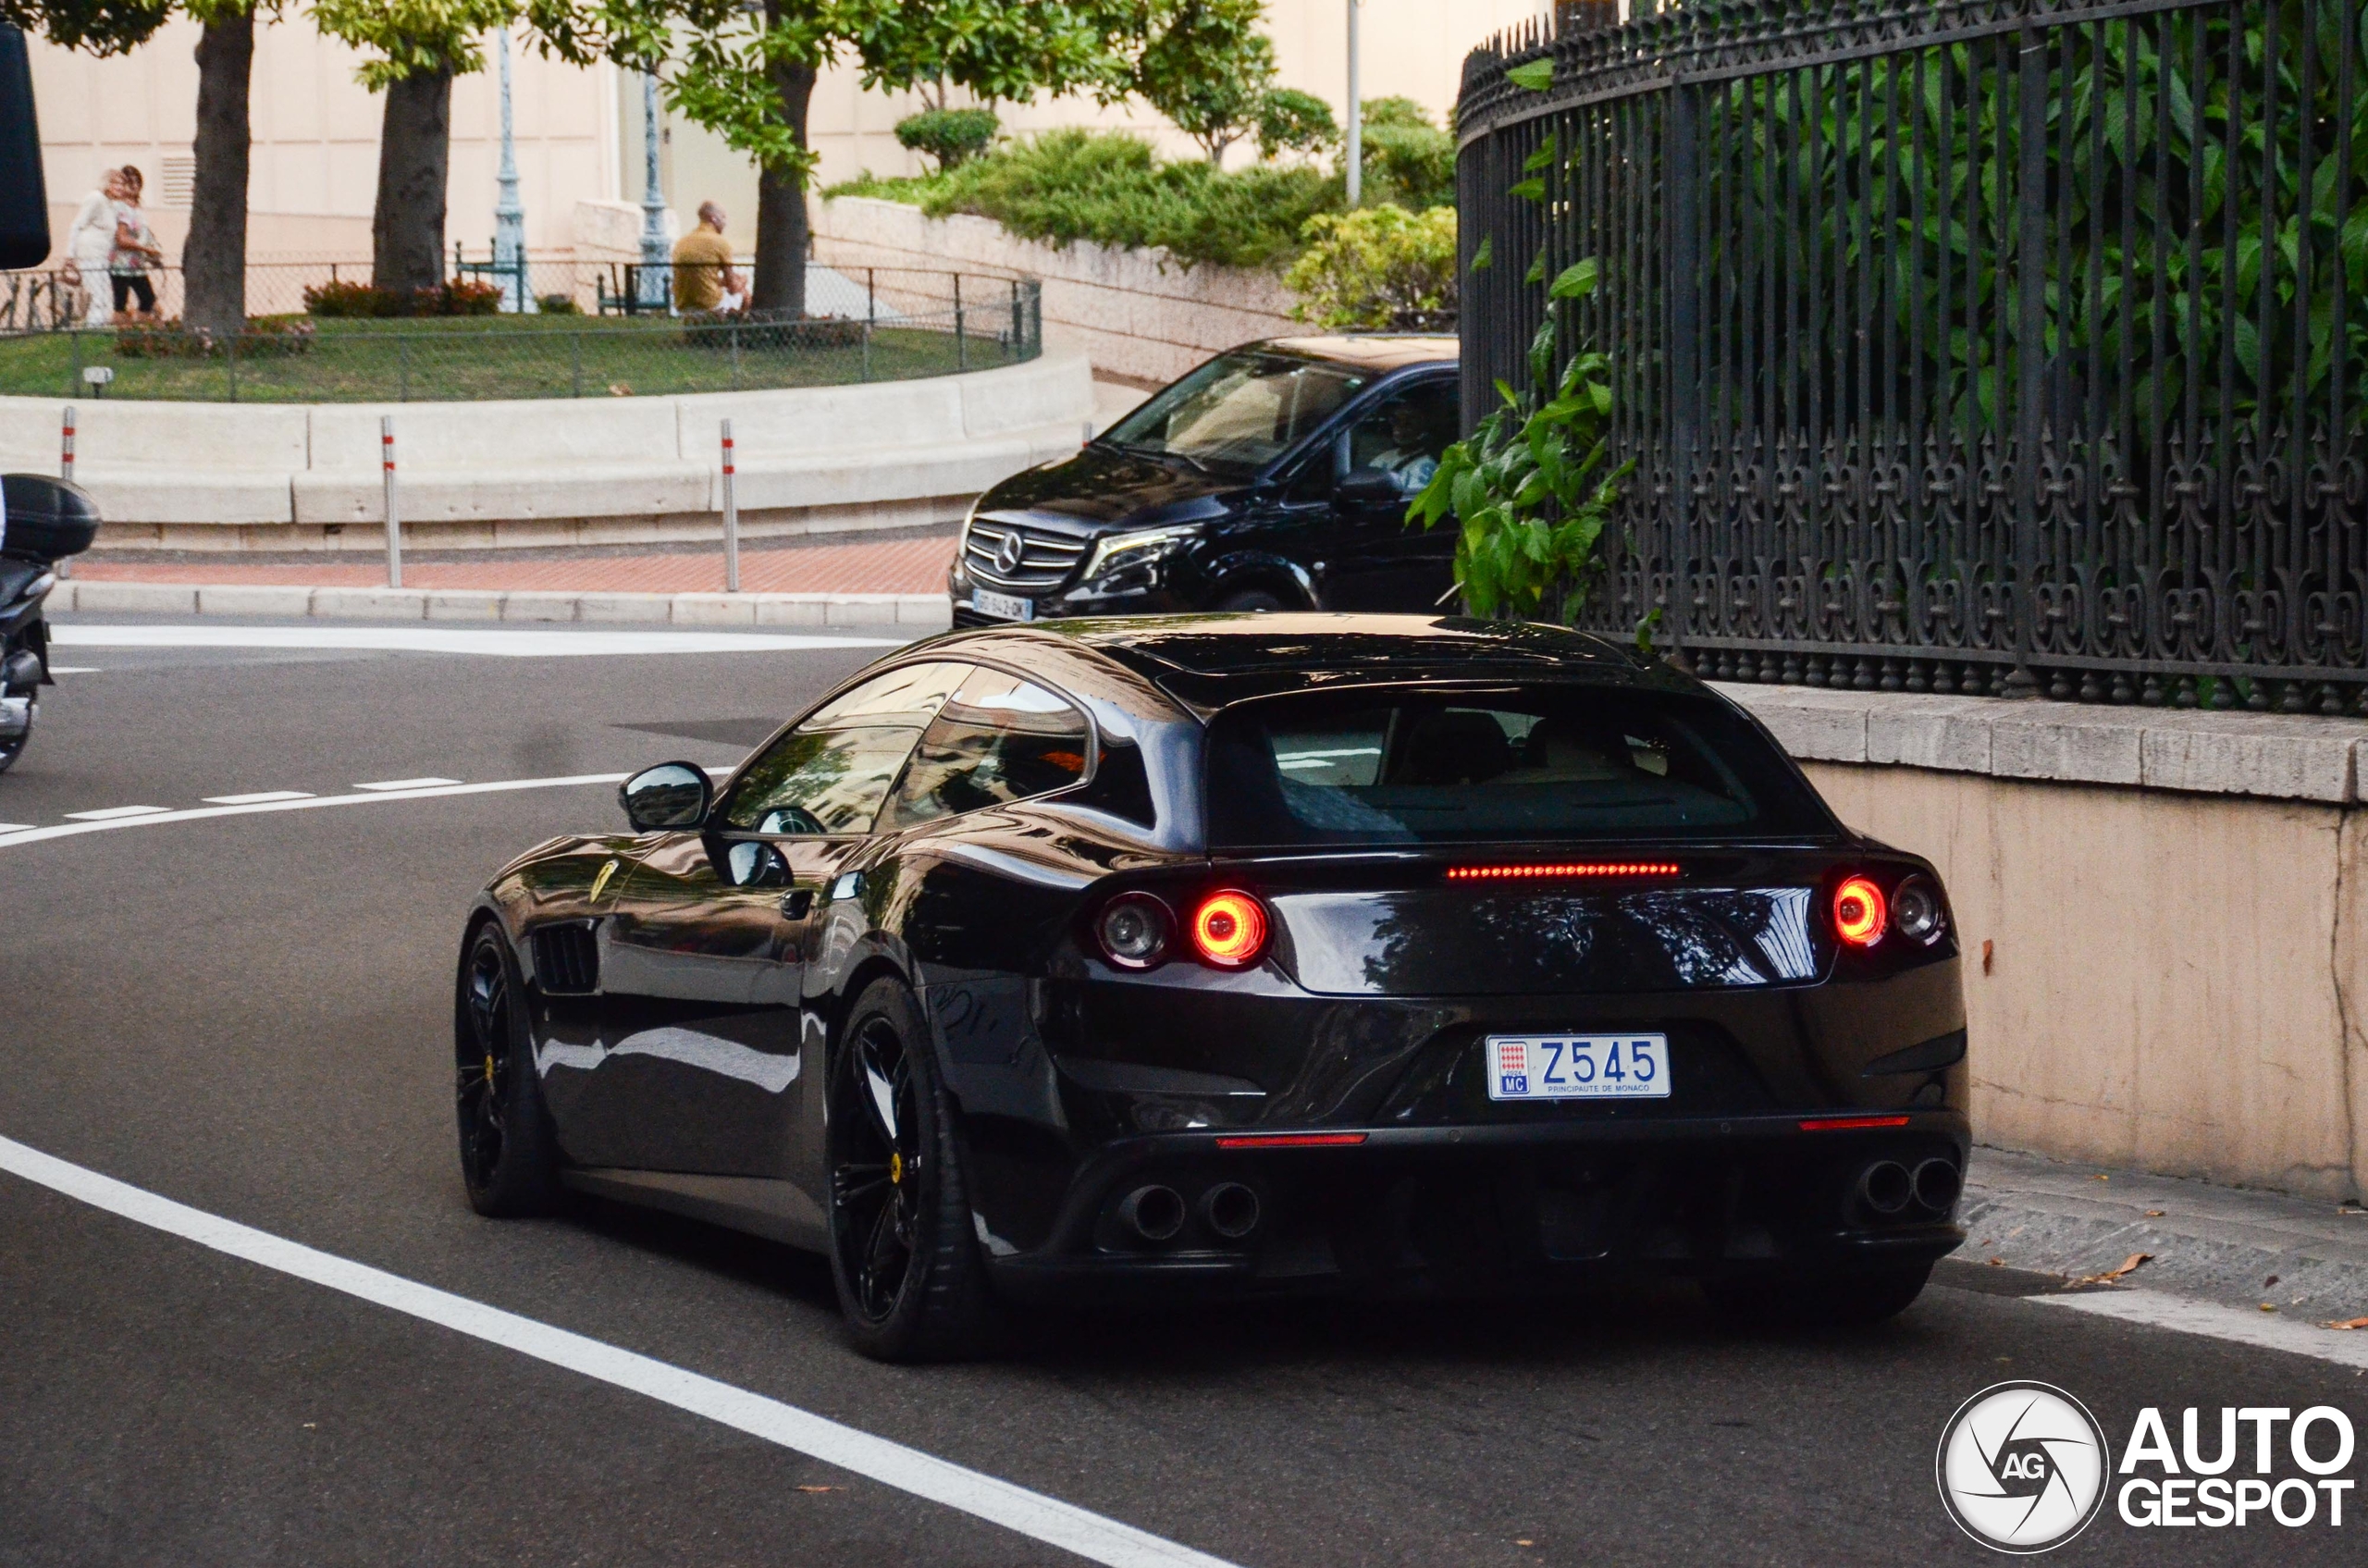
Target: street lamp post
x,y
509,217
652,293
1356,153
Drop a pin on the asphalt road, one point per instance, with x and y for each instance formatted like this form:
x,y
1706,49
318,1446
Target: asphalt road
x,y
252,1015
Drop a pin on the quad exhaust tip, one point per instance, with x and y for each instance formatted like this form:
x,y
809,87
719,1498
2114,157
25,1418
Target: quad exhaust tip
x,y
1229,1209
1886,1187
1153,1212
1938,1182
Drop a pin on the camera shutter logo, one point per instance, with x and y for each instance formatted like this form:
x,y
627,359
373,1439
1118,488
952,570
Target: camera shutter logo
x,y
2023,1466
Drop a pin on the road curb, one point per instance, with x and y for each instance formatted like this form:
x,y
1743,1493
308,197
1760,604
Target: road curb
x,y
915,613
2219,1244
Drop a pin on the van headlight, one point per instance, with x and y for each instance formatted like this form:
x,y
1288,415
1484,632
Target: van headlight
x,y
1116,552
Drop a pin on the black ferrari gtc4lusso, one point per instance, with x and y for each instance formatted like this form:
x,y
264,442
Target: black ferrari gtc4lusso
x,y
1237,956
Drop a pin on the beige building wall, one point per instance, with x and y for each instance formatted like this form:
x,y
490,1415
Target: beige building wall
x,y
578,131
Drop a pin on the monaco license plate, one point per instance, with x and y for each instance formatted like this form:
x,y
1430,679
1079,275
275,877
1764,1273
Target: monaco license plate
x,y
1009,607
1578,1066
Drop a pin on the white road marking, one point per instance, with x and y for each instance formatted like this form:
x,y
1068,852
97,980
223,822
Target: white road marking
x,y
2267,1330
1041,1518
407,784
505,643
111,813
259,797
307,803
15,827
76,670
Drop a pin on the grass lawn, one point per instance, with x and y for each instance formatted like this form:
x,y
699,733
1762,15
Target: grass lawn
x,y
474,359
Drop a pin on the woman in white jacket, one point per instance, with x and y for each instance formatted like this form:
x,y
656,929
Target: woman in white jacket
x,y
90,249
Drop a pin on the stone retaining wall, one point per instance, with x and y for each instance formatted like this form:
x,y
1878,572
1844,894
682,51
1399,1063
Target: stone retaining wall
x,y
1139,315
207,476
2164,917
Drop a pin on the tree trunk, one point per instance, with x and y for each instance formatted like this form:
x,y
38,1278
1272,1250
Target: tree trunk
x,y
782,229
214,262
414,164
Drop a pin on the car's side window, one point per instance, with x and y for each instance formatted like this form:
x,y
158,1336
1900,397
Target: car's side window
x,y
998,739
831,774
1406,436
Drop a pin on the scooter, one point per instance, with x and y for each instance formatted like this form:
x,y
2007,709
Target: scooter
x,y
42,522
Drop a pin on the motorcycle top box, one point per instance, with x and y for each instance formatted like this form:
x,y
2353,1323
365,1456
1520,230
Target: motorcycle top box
x,y
46,519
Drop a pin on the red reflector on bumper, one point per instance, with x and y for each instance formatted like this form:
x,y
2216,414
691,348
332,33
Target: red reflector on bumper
x,y
1293,1140
1851,1124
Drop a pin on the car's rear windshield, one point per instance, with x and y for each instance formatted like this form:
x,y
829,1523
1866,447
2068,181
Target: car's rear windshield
x,y
1546,762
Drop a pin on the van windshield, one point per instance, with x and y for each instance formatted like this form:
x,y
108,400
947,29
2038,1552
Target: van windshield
x,y
1554,762
1238,413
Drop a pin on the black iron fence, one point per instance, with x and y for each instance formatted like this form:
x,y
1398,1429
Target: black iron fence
x,y
2000,346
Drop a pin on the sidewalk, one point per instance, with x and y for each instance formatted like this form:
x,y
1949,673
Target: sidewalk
x,y
2306,1260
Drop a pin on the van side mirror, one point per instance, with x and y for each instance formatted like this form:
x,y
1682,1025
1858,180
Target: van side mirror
x,y
24,199
1367,487
668,797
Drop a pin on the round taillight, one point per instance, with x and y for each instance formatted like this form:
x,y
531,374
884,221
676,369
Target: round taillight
x,y
1916,911
1859,912
1133,930
1229,928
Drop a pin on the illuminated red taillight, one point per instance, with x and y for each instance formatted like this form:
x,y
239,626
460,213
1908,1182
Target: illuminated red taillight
x,y
1229,928
1851,1124
1564,869
1859,912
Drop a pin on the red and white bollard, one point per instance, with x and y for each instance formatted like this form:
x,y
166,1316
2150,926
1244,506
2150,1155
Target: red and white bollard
x,y
394,518
731,520
66,472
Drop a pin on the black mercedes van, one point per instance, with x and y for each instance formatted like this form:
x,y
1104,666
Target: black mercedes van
x,y
1276,476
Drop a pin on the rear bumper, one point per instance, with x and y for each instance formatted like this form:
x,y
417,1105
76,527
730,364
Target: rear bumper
x,y
1464,1210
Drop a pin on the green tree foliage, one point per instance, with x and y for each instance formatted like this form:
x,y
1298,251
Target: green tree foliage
x,y
404,38
1379,269
1407,159
1532,489
951,136
998,51
99,27
1206,66
1292,121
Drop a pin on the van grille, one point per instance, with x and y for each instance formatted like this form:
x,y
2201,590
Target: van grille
x,y
567,960
1046,559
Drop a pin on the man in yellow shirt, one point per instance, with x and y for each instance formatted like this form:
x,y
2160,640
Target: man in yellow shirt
x,y
703,270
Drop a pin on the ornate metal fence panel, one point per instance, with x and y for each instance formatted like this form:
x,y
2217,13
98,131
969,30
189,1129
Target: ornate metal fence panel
x,y
2001,346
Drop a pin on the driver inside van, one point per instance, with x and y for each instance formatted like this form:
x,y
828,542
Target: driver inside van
x,y
1408,456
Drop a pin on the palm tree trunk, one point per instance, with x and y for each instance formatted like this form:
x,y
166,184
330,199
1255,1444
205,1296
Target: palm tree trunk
x,y
782,229
414,167
214,262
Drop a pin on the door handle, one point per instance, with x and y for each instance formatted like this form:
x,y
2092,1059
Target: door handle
x,y
798,903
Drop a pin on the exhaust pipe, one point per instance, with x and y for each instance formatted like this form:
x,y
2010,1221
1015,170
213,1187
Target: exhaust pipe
x,y
1885,1187
1938,1181
1156,1214
1229,1209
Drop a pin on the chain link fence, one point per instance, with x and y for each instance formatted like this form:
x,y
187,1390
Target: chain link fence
x,y
861,325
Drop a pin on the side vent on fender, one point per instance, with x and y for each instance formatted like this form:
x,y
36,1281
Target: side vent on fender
x,y
567,961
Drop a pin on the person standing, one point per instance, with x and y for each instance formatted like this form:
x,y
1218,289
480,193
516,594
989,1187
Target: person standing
x,y
90,248
704,278
135,251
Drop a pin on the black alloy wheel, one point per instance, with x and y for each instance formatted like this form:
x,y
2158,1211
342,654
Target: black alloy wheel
x,y
1255,599
509,1156
904,1255
14,747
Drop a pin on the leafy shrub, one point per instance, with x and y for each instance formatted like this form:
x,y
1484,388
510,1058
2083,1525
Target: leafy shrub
x,y
557,304
460,297
951,136
1379,268
1376,112
768,329
1110,188
1408,160
263,336
1292,121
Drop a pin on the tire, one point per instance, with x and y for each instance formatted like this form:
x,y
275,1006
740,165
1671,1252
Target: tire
x,y
904,1255
1257,599
14,748
508,1150
1838,1300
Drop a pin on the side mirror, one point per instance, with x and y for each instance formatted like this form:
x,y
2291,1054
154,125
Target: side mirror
x,y
670,796
24,200
44,519
1368,487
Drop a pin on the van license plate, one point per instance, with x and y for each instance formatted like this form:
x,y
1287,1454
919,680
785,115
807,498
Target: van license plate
x,y
1578,1066
1009,607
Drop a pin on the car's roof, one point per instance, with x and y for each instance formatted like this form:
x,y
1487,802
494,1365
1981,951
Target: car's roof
x,y
1374,352
1211,661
